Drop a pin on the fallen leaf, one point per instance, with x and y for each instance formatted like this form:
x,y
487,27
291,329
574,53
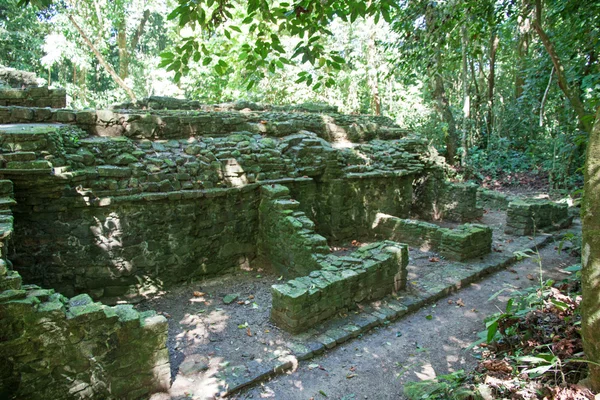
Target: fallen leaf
x,y
450,301
248,332
434,259
243,326
473,310
429,317
313,366
251,297
322,393
350,376
352,369
530,277
460,303
198,294
514,271
240,302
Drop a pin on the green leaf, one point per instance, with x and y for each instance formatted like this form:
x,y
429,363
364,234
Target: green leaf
x,y
491,331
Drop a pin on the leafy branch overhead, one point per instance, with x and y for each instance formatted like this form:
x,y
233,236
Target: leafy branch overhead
x,y
260,35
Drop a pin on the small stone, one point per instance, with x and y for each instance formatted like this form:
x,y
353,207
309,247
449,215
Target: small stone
x,y
230,298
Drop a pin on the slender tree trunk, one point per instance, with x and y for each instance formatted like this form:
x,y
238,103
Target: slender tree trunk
x,y
373,75
126,52
439,92
524,39
572,96
491,83
466,98
122,46
590,257
102,61
545,97
443,107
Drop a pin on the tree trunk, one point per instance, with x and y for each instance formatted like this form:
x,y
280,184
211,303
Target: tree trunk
x,y
102,61
373,76
490,84
125,52
590,257
443,107
466,98
122,46
572,96
439,92
524,38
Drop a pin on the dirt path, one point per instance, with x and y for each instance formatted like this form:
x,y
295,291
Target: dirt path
x,y
419,346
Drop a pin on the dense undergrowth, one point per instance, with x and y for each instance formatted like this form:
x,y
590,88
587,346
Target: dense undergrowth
x,y
532,350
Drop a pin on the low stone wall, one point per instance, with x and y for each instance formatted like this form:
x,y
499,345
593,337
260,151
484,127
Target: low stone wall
x,y
524,217
287,239
370,273
166,125
435,199
14,78
171,103
461,243
33,97
493,199
59,348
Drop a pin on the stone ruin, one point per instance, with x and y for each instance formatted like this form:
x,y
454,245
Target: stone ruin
x,y
103,208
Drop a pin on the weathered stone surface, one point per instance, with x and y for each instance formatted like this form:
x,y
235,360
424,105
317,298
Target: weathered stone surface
x,y
524,217
462,243
370,273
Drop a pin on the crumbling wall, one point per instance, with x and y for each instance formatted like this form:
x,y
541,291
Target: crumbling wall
x,y
525,217
287,239
370,273
436,199
462,243
60,348
122,217
33,97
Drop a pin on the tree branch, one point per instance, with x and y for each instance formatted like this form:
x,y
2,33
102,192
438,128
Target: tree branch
x,y
102,61
576,102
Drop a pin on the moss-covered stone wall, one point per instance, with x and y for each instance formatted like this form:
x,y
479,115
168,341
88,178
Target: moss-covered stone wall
x,y
524,217
121,217
60,348
32,97
461,243
178,124
287,239
437,199
370,273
